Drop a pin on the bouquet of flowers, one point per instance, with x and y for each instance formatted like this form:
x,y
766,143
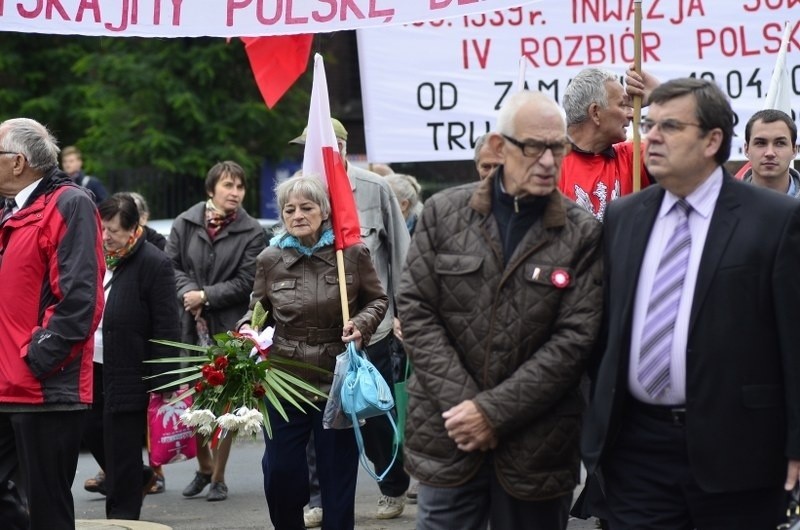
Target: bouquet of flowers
x,y
232,378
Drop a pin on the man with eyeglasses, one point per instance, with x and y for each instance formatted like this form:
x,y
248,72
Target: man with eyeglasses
x,y
51,271
500,302
694,420
599,169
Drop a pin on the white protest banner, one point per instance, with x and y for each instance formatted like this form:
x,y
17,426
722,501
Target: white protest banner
x,y
224,18
430,89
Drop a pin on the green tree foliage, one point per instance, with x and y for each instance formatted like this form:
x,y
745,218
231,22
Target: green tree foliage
x,y
173,106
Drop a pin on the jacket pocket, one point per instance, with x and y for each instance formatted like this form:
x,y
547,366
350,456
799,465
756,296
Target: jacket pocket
x,y
762,396
456,264
285,348
370,236
332,285
284,292
459,280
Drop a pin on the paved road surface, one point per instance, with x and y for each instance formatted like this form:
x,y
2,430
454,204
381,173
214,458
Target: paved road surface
x,y
245,507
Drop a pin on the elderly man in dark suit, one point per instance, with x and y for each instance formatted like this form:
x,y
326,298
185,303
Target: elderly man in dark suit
x,y
694,421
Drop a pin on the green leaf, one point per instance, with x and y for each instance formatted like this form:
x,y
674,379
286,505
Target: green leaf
x,y
283,361
299,383
176,371
184,345
259,316
285,391
182,396
178,360
273,399
179,382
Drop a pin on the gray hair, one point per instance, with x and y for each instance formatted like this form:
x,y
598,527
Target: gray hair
x,y
31,139
307,186
588,87
479,143
406,188
141,204
505,119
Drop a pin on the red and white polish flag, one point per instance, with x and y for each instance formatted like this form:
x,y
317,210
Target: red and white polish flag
x,y
321,157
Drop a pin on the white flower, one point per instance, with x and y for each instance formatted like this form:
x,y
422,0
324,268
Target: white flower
x,y
229,422
197,418
250,421
205,430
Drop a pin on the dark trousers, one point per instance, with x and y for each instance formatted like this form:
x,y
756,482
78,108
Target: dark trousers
x,y
93,429
378,436
378,433
315,497
45,447
482,501
648,484
286,472
125,472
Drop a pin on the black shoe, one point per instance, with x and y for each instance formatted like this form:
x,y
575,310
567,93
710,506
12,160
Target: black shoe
x,y
13,511
198,484
159,486
148,480
96,484
217,492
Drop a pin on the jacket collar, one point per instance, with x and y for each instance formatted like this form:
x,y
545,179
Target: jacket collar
x,y
287,240
293,251
555,214
197,215
608,152
794,177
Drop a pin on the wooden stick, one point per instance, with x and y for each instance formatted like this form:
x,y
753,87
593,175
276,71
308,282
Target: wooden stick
x,y
637,100
342,286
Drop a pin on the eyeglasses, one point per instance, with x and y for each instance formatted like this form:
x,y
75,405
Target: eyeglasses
x,y
535,149
9,153
667,127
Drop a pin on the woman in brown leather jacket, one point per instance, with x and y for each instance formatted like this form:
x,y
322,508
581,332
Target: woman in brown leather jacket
x,y
296,281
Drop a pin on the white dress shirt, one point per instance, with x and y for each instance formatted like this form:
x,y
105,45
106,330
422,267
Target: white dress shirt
x,y
22,197
702,200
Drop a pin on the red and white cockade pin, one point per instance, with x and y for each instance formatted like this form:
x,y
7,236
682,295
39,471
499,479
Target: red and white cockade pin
x,y
560,278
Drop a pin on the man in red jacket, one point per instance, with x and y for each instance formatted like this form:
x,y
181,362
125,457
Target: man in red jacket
x,y
51,270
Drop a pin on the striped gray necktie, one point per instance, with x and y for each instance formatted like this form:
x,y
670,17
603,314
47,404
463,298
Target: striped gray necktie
x,y
662,310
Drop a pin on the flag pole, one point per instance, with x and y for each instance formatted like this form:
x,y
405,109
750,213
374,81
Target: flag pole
x,y
523,62
778,90
342,286
637,100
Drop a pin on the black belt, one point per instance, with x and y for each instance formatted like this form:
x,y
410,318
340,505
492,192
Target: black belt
x,y
309,335
674,414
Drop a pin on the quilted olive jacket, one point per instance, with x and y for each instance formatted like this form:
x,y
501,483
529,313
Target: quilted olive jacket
x,y
514,339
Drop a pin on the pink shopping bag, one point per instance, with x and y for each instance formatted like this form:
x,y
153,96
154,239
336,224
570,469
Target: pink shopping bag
x,y
169,439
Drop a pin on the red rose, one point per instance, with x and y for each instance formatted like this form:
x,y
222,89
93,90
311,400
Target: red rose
x,y
199,387
259,391
221,362
206,370
216,377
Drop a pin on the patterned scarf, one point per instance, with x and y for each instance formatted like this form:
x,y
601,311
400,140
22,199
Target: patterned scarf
x,y
113,257
216,219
